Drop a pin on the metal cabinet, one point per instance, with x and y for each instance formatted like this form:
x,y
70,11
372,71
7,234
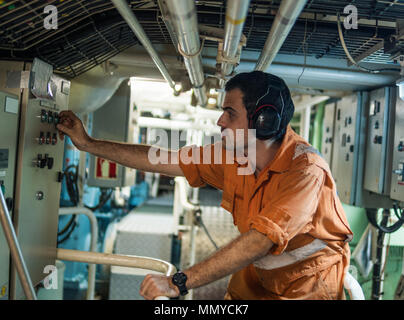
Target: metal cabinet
x,y
380,138
9,113
397,181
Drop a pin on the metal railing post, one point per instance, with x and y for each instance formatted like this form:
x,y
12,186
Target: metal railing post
x,y
15,250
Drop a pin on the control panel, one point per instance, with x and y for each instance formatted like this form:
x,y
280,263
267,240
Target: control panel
x,y
40,158
349,150
328,132
9,113
344,151
397,181
380,137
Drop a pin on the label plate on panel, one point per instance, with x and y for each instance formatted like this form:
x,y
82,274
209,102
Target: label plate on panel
x,y
11,105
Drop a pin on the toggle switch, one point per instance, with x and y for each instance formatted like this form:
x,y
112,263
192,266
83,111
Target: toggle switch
x,y
54,139
41,139
44,116
56,118
40,162
50,117
49,163
378,139
48,138
401,146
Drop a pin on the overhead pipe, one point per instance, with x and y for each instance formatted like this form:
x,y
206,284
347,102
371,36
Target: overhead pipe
x,y
131,20
353,79
183,18
285,19
236,14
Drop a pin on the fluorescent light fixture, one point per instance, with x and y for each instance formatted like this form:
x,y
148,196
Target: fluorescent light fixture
x,y
212,101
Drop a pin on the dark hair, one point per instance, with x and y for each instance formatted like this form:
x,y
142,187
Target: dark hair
x,y
254,85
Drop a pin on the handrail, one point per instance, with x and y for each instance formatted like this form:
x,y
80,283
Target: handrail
x,y
93,243
15,250
183,195
118,260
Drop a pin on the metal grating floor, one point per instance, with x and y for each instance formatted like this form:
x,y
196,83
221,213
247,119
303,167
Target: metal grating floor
x,y
219,222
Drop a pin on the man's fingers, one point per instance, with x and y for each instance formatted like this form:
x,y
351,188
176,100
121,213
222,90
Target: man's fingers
x,y
145,287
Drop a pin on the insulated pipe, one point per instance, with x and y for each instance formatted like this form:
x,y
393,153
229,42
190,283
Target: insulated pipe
x,y
184,20
15,250
350,78
129,17
236,14
93,243
285,19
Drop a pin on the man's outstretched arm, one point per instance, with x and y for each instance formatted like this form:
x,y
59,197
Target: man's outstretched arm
x,y
129,155
239,253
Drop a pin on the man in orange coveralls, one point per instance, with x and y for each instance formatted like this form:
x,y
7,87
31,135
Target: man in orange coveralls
x,y
294,233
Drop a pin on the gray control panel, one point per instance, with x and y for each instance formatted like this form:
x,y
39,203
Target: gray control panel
x,y
344,151
9,113
397,181
40,157
328,132
380,137
349,151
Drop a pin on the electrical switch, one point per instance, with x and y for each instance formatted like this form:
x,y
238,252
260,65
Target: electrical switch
x,y
56,118
40,162
44,116
400,172
41,139
378,139
50,163
401,146
48,138
50,117
54,139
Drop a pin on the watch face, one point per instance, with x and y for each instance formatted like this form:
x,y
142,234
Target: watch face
x,y
179,278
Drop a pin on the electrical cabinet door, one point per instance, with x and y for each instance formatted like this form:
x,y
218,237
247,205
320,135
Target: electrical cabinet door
x,y
397,181
380,136
349,153
9,112
328,132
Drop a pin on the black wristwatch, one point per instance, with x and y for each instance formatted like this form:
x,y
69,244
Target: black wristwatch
x,y
179,279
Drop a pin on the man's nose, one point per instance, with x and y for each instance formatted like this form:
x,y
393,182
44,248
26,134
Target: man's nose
x,y
220,122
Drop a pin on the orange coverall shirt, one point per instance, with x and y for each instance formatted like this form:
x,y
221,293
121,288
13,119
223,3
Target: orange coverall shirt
x,y
293,202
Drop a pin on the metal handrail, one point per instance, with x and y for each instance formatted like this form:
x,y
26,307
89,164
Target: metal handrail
x,y
93,243
15,250
118,260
